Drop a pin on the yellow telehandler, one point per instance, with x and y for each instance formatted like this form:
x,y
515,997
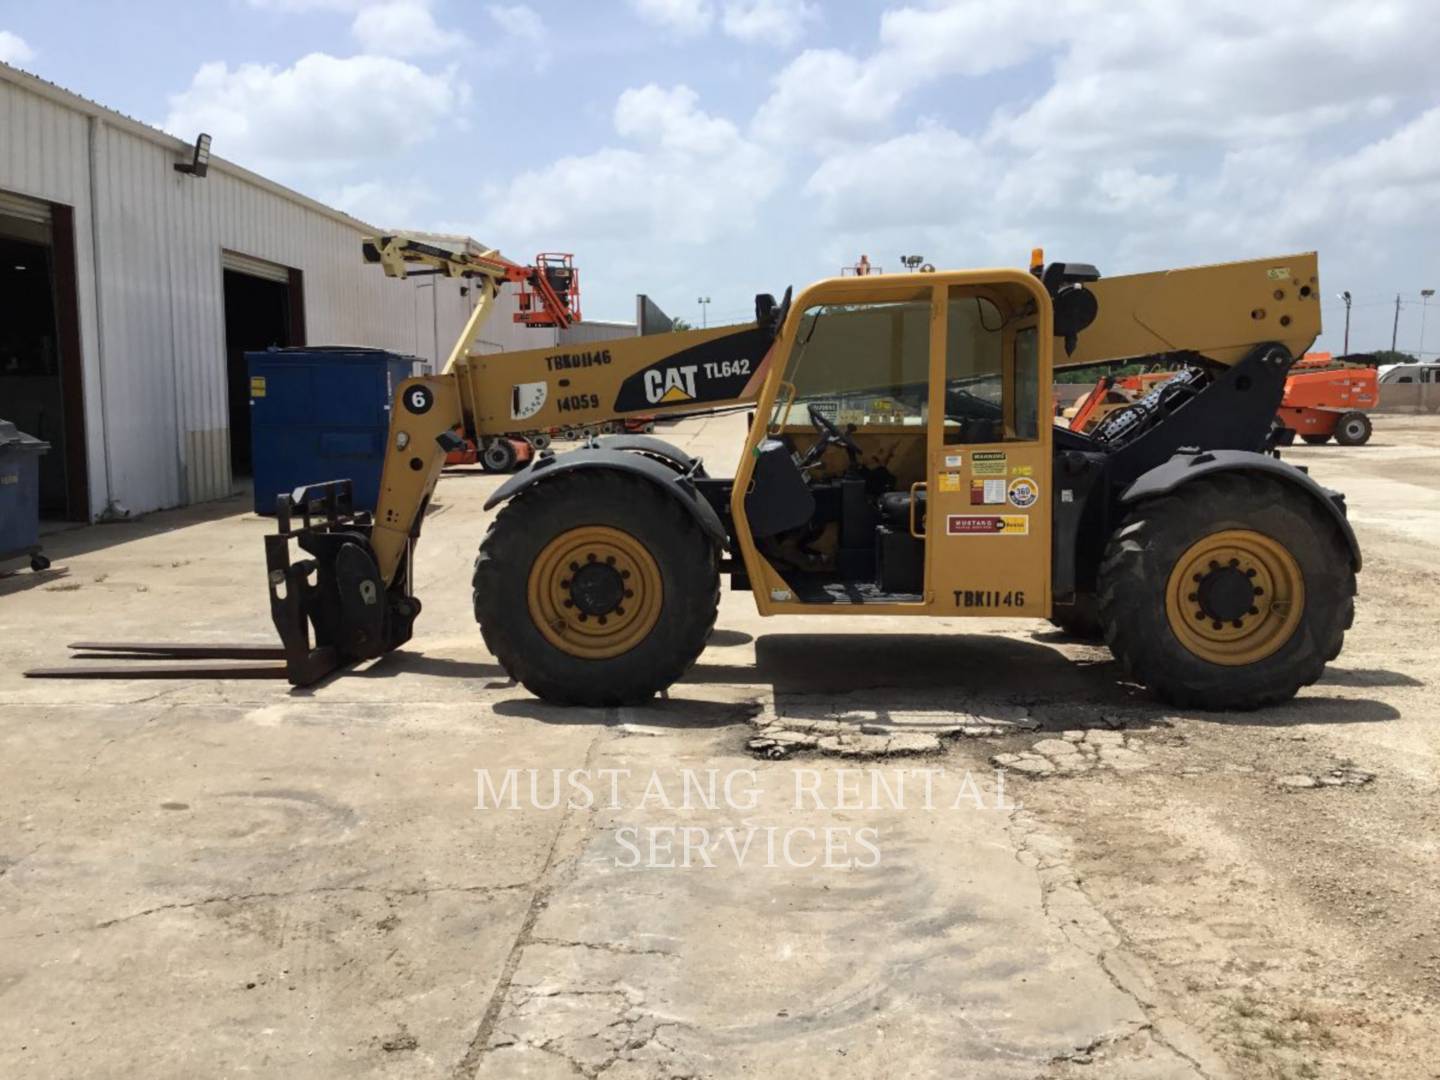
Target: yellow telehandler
x,y
901,460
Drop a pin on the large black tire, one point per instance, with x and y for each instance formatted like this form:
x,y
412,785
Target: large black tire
x,y
1316,440
1081,620
688,566
1353,429
1158,533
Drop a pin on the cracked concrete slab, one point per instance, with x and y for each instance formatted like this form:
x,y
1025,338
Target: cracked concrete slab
x,y
211,877
1077,751
955,966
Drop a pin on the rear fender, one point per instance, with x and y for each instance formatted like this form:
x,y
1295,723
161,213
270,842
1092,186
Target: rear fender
x,y
1183,468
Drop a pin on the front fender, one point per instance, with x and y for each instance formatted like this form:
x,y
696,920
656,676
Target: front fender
x,y
1182,468
678,485
653,447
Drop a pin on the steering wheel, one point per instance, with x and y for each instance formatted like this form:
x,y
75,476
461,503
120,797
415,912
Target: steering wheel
x,y
831,434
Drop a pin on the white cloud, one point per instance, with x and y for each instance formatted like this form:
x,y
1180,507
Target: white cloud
x,y
686,18
298,6
14,49
1222,73
521,25
383,203
683,178
929,175
403,28
772,22
825,95
321,114
830,94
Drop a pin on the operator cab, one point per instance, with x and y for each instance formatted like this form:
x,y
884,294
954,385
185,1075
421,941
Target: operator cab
x,y
854,457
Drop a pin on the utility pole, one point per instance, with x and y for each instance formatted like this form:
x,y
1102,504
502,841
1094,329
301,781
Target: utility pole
x,y
1425,295
1346,297
704,302
1395,330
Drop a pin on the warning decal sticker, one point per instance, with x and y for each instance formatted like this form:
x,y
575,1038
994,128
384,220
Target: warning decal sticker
x,y
988,463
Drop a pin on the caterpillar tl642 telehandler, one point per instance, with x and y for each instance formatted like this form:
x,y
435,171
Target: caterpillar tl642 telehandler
x,y
901,461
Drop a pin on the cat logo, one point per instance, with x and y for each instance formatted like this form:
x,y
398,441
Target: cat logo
x,y
670,385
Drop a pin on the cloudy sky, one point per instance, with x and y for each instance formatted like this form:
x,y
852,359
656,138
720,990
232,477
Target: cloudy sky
x,y
719,148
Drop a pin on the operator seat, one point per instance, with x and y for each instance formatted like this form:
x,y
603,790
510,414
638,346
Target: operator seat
x,y
895,510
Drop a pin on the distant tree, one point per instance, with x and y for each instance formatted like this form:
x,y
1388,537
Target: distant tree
x,y
678,323
1391,356
1094,371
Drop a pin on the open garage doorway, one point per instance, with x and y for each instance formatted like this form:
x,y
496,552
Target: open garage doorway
x,y
264,308
40,368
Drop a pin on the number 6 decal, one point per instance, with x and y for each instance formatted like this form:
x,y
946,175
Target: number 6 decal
x,y
418,399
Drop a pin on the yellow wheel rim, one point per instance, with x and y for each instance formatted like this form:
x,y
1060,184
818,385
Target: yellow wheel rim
x,y
1235,597
595,592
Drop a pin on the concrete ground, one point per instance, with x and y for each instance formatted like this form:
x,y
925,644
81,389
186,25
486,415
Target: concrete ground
x,y
217,878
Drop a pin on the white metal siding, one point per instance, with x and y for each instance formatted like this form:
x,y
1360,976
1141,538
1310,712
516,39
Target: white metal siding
x,y
155,386
31,210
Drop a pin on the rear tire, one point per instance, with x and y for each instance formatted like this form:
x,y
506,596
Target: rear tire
x,y
1353,429
1151,601
529,560
1316,440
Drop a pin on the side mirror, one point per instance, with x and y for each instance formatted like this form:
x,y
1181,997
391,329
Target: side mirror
x,y
1075,309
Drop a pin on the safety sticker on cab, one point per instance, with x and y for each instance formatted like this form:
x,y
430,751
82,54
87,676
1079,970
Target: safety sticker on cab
x,y
987,492
1024,493
988,463
987,525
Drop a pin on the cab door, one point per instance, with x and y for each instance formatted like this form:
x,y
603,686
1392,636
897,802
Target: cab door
x,y
988,493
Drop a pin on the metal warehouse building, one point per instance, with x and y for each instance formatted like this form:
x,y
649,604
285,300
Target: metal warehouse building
x,y
130,291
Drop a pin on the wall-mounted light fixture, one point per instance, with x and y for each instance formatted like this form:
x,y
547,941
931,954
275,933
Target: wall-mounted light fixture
x,y
199,165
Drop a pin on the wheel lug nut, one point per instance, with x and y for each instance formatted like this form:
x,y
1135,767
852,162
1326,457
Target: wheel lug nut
x,y
569,603
625,574
584,617
609,560
574,566
618,611
1193,597
565,583
1254,611
1259,591
1250,572
590,557
1237,624
1199,615
1234,563
1214,565
602,620
1217,625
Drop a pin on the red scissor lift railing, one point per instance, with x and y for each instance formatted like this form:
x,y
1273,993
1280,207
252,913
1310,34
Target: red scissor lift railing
x,y
549,290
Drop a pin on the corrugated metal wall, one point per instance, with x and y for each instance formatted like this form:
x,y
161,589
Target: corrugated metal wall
x,y
150,287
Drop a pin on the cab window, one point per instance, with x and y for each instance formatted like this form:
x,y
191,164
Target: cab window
x,y
992,371
862,364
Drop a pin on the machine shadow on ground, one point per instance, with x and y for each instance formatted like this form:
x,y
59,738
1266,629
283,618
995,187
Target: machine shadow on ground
x,y
912,674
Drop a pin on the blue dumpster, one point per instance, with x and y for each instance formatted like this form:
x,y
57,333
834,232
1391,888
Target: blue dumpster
x,y
20,495
321,414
